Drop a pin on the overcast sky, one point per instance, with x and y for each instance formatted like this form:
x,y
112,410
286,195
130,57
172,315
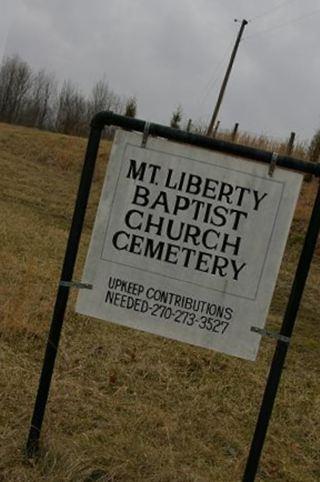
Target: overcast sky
x,y
170,52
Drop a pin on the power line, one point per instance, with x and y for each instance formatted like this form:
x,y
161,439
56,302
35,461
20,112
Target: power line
x,y
285,24
216,72
274,9
215,75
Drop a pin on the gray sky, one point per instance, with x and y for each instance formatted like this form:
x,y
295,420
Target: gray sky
x,y
170,52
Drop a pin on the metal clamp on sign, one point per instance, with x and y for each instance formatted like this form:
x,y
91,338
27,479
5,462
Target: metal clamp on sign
x,y
270,334
76,284
146,132
273,163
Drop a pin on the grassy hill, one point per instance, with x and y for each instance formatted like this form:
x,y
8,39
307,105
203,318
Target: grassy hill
x,y
126,405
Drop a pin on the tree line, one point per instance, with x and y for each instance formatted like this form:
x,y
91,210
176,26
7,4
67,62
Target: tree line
x,y
35,99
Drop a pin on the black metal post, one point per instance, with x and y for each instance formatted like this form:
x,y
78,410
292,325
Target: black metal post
x,y
63,291
282,347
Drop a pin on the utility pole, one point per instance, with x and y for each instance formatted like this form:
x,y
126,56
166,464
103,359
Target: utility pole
x,y
226,78
215,129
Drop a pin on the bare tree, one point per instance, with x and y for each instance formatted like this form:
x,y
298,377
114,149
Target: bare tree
x,y
103,98
176,118
314,149
37,110
118,104
100,98
71,110
131,107
33,99
15,83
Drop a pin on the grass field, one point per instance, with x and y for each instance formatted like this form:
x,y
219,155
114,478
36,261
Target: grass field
x,y
126,405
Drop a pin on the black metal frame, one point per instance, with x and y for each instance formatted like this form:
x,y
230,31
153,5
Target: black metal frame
x,y
98,122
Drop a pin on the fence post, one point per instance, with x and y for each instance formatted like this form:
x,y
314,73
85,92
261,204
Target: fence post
x,y
235,132
291,143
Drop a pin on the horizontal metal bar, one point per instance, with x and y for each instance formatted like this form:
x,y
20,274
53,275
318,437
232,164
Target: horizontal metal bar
x,y
270,334
109,118
76,284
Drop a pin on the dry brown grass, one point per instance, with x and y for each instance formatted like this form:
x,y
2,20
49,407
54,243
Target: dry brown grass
x,y
125,405
299,151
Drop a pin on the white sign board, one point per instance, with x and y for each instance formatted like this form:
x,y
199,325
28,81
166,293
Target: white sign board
x,y
187,243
